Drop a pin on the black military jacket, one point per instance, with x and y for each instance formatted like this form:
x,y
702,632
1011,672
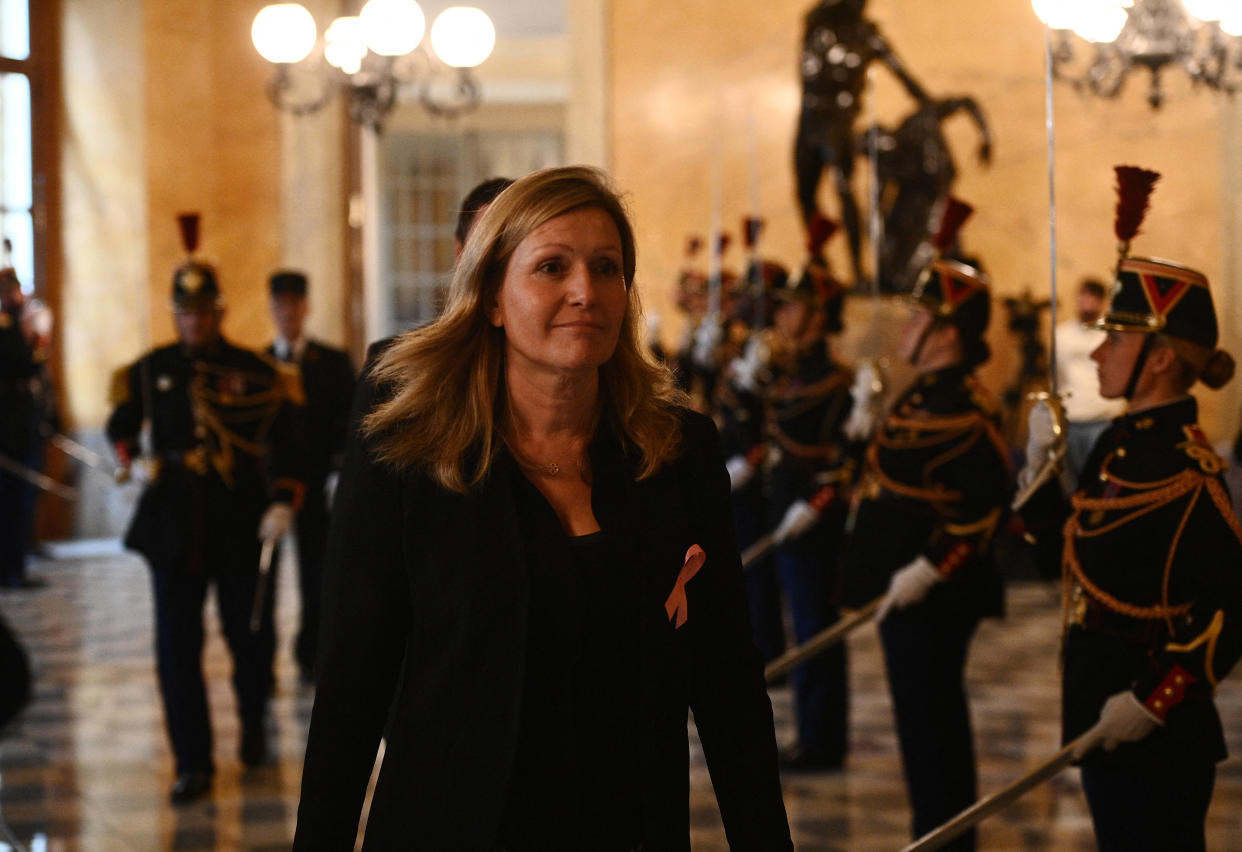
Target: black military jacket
x,y
808,401
226,441
1151,554
935,483
328,384
24,390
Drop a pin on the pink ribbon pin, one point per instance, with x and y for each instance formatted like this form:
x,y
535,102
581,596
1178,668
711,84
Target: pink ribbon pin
x,y
676,606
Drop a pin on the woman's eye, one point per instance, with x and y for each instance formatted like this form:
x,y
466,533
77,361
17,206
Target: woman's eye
x,y
608,267
550,267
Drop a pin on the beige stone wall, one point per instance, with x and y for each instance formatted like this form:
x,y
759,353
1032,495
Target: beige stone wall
x,y
165,113
103,311
688,76
213,146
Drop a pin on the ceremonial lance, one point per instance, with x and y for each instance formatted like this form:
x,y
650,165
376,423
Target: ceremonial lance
x,y
989,805
261,583
1050,397
822,641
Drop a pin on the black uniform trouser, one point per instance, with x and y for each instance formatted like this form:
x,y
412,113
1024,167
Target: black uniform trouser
x,y
1149,808
925,649
806,566
311,527
16,508
763,587
179,634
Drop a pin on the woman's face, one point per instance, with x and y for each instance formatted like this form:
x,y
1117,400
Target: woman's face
x,y
563,297
1114,361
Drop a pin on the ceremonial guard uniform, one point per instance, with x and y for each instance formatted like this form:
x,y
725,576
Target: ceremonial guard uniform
x,y
327,377
27,407
739,409
807,475
224,470
1151,555
931,495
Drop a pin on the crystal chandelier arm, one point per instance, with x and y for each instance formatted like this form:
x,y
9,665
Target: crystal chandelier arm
x,y
280,90
465,95
1107,72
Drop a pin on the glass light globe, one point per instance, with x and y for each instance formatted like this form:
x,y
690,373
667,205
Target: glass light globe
x,y
1057,14
1208,10
463,36
1231,20
1101,23
343,44
392,27
283,32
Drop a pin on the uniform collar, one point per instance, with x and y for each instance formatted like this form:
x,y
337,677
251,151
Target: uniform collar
x,y
290,350
1175,412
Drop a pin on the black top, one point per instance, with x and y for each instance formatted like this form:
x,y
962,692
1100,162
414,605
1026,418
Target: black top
x,y
575,778
424,635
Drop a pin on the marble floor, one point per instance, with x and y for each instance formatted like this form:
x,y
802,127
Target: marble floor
x,y
87,768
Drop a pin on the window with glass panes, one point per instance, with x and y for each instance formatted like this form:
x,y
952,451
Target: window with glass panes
x,y
16,164
425,177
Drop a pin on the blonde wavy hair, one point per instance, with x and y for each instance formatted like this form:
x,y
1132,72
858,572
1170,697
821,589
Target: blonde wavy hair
x,y
448,411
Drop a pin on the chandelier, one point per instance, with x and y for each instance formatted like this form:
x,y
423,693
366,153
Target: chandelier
x,y
1199,36
372,56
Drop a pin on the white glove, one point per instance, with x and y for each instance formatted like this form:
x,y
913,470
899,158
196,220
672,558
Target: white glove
x,y
707,339
1123,719
144,470
740,472
1041,437
799,518
746,368
329,487
909,585
277,520
867,386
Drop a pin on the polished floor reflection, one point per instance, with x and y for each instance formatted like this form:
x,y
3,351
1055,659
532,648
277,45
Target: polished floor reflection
x,y
87,766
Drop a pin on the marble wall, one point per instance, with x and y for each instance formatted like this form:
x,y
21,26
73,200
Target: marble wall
x,y
690,79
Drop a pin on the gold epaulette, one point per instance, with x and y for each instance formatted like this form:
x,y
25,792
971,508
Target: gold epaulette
x,y
118,390
1196,446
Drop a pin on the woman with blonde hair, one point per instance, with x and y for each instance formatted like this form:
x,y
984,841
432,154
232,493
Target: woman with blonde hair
x,y
532,563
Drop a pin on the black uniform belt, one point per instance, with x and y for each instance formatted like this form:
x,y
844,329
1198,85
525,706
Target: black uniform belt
x,y
1086,613
195,460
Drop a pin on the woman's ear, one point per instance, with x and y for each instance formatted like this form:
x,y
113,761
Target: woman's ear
x,y
1162,359
494,315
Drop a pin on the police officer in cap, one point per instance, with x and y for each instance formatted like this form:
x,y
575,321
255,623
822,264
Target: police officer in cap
x,y
327,377
1151,556
932,494
223,472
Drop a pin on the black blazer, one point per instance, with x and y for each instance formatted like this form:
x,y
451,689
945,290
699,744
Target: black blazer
x,y
425,605
328,382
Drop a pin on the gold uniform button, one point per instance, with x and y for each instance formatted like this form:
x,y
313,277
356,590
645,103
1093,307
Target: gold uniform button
x,y
1121,452
1168,690
1159,705
1179,680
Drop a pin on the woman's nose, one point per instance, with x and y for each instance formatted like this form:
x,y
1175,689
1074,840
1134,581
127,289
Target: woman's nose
x,y
580,284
